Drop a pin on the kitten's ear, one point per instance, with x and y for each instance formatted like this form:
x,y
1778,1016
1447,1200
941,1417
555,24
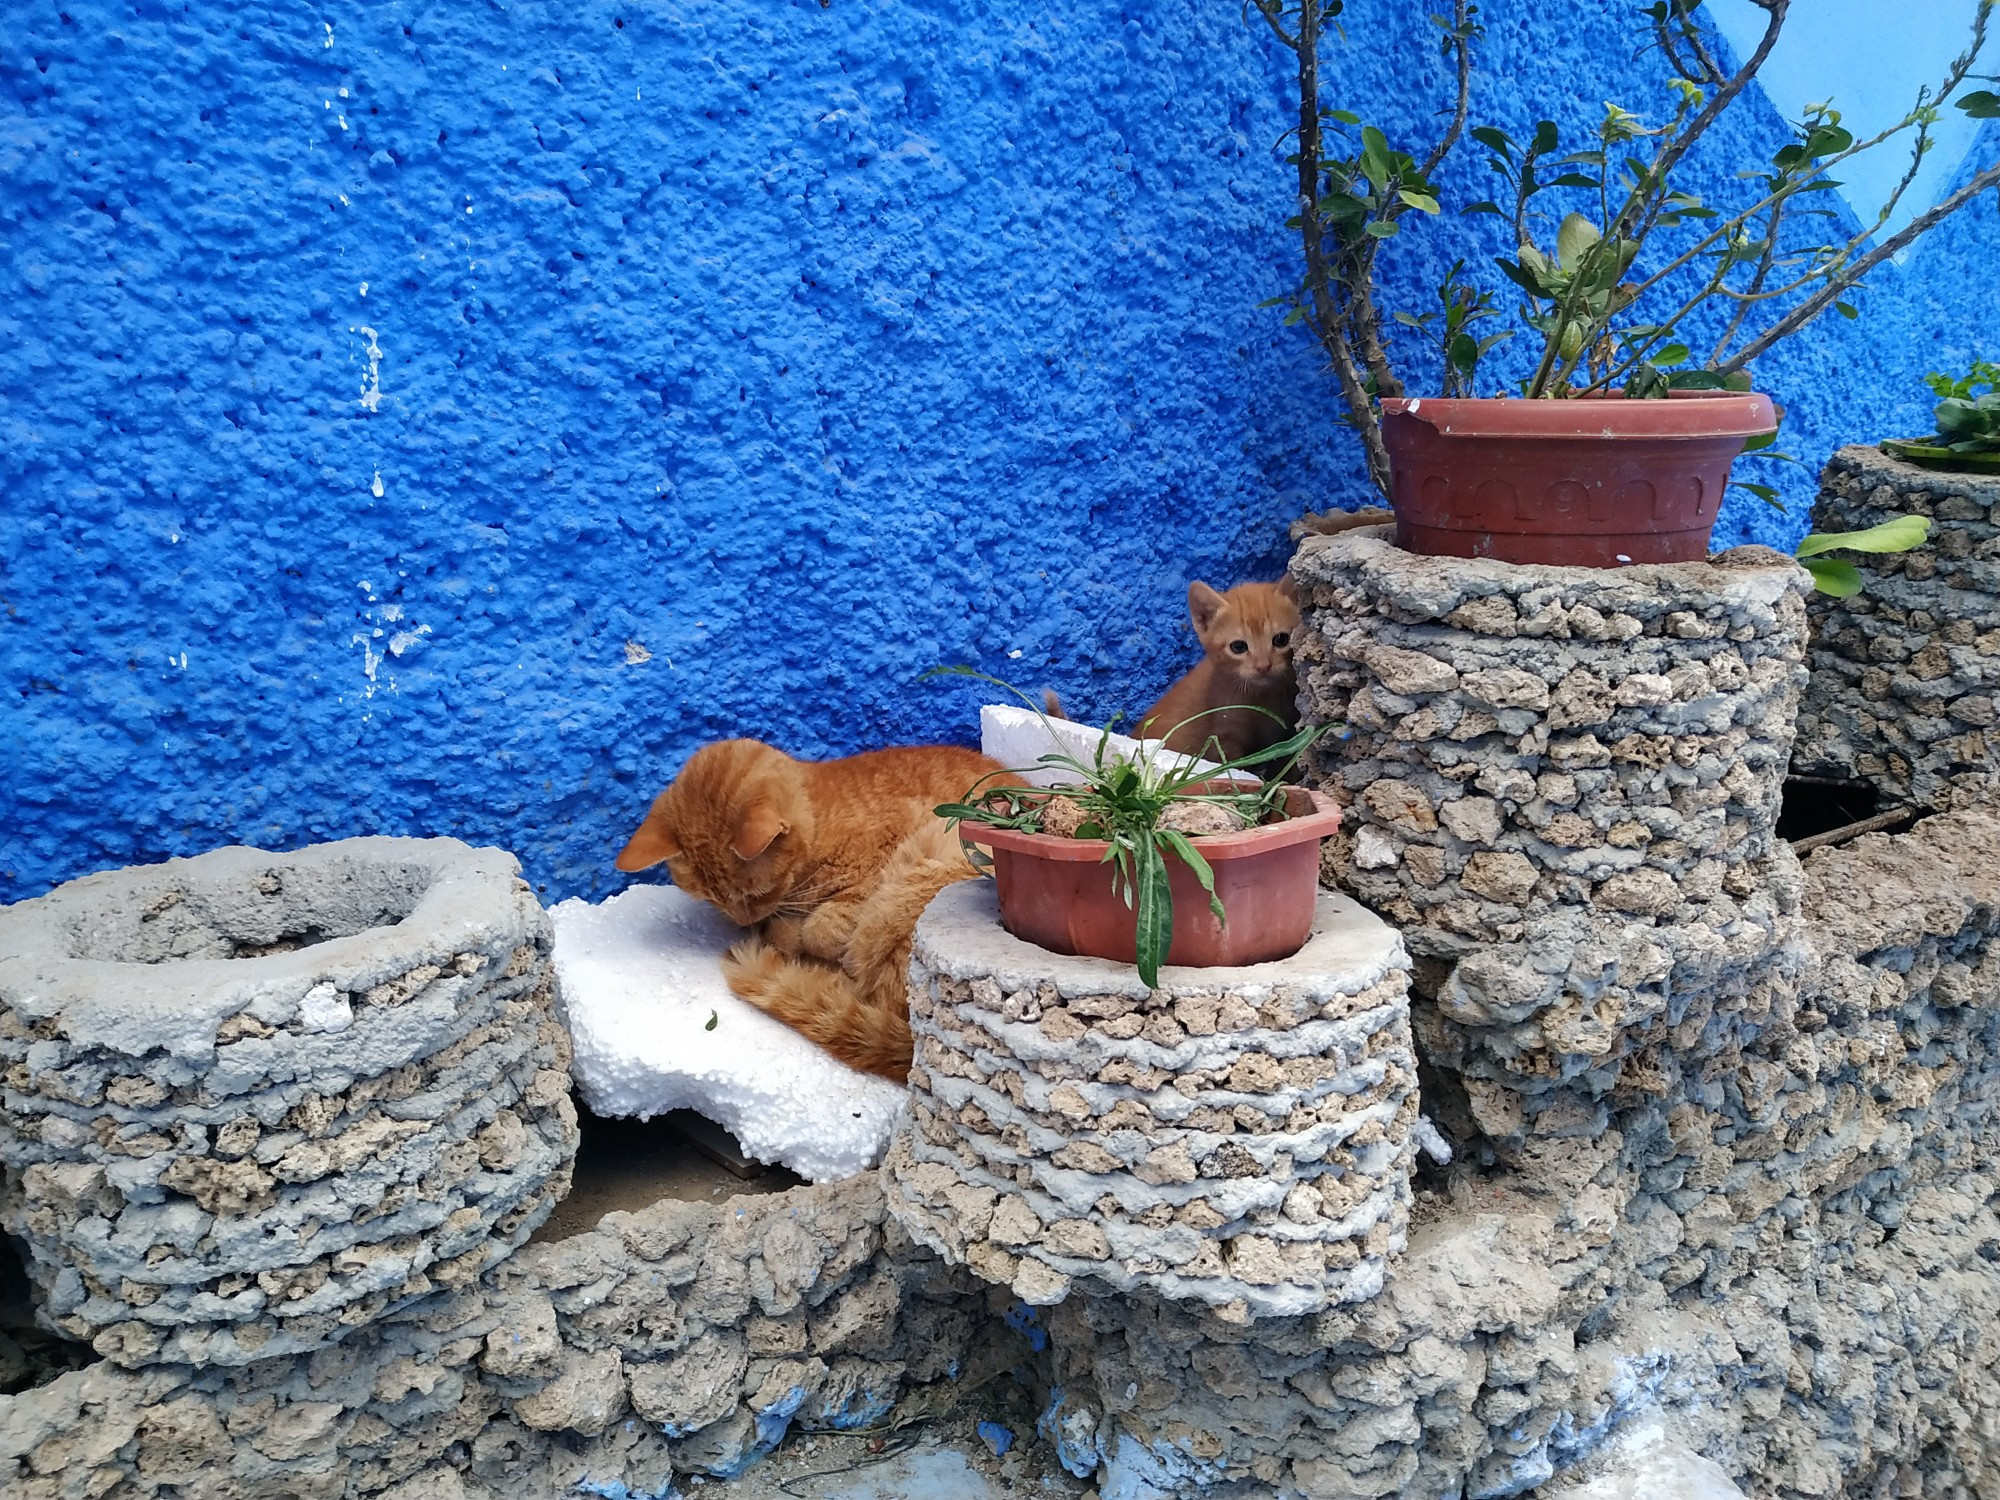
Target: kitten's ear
x,y
1204,604
651,844
758,829
1288,588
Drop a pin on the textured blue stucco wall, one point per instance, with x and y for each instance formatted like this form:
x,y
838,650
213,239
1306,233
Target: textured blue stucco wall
x,y
440,419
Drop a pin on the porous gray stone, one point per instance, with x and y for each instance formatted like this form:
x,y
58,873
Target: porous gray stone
x,y
1906,674
1575,821
1151,1138
252,1101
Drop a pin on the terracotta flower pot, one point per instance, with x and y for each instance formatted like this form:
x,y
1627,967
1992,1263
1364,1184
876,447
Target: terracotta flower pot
x,y
1058,893
1593,482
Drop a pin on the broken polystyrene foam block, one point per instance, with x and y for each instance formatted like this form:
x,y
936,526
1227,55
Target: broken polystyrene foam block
x,y
655,1029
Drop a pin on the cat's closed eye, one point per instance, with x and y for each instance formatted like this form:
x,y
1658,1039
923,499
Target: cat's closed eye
x,y
1282,639
1239,647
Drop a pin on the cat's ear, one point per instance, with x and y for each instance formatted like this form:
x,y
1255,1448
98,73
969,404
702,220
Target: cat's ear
x,y
651,844
758,829
1288,588
1204,604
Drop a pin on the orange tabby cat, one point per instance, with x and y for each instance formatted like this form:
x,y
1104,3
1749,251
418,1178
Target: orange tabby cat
x,y
829,863
1247,637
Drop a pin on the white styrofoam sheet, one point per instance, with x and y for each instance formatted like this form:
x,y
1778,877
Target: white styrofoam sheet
x,y
1019,737
640,975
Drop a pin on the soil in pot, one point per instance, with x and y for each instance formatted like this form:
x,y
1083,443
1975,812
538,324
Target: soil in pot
x,y
1594,482
1058,892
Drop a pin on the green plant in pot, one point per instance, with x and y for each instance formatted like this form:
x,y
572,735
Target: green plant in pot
x,y
1153,859
1619,445
1968,423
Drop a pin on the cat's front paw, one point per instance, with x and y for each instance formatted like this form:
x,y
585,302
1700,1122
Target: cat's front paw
x,y
826,933
784,932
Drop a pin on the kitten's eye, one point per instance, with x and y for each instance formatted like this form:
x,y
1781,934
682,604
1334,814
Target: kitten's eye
x,y
1282,639
1241,648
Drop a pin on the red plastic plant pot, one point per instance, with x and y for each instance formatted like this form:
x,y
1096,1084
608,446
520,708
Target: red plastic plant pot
x,y
1058,893
1590,482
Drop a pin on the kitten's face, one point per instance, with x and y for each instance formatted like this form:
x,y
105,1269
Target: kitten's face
x,y
1247,631
733,829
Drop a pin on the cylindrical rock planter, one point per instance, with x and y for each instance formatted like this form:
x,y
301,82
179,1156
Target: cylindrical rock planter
x,y
249,1101
1905,688
1238,1137
1566,785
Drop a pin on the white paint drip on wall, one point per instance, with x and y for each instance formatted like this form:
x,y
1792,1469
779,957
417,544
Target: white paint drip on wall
x,y
371,378
376,488
378,617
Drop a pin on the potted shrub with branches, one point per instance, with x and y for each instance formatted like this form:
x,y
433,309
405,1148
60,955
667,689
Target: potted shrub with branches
x,y
1152,860
1618,447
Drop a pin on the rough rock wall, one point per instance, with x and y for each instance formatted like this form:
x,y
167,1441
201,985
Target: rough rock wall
x,y
1905,688
688,1338
1238,1137
251,1101
1791,1262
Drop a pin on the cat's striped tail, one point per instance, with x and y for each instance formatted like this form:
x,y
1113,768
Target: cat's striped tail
x,y
824,1005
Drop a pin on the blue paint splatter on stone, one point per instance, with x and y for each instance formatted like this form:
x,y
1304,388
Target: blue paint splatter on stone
x,y
1027,1322
997,1436
1073,1432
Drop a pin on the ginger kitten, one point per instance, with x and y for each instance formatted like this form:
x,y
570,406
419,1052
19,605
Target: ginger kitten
x,y
829,864
1246,635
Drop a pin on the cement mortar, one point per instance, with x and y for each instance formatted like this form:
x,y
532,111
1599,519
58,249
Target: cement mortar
x,y
1238,1137
253,1101
1906,674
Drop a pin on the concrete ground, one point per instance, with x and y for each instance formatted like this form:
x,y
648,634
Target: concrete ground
x,y
946,1461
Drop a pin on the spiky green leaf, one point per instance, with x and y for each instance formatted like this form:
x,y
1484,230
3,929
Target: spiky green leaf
x,y
1153,932
1190,856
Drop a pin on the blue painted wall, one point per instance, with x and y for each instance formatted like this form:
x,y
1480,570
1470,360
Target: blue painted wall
x,y
440,419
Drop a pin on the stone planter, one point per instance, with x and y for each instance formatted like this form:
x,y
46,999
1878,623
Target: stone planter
x,y
1905,687
1238,1138
1566,784
250,1101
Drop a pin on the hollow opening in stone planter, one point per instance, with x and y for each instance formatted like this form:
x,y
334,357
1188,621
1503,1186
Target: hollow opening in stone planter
x,y
327,1134
30,1355
630,1165
1060,894
276,910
